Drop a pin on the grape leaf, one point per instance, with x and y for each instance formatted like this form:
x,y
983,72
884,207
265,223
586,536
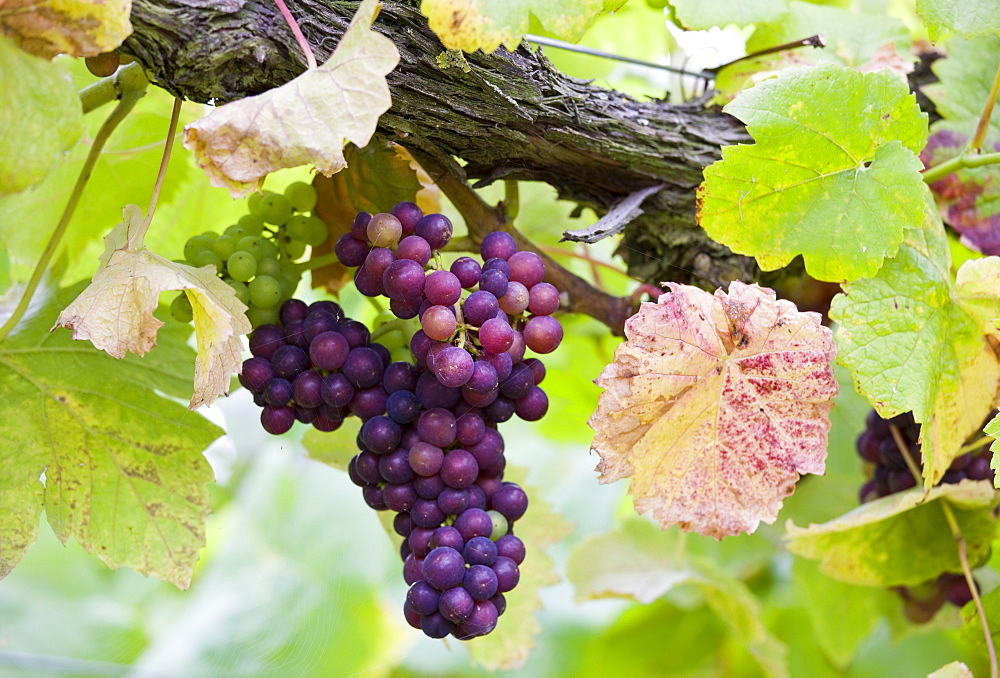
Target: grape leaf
x,y
40,117
992,429
968,18
968,199
46,28
972,630
833,176
20,509
902,539
915,341
964,77
305,121
116,311
484,24
639,562
123,469
952,670
714,406
694,14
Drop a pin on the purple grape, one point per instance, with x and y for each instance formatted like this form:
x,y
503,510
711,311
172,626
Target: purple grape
x,y
355,333
474,522
469,429
511,547
511,501
444,568
516,350
399,497
496,264
456,604
401,525
425,512
500,410
453,501
479,400
295,336
307,389
368,402
500,603
321,423
394,467
359,227
493,281
350,251
373,497
411,616
423,598
412,569
327,306
479,307
533,406
979,469
288,361
542,333
480,551
306,415
447,535
435,229
265,340
419,541
328,350
433,394
438,323
467,270
526,268
437,427
494,470
278,391
484,377
352,473
404,309
409,438
293,309
381,435
408,214
403,279
368,282
544,299
442,288
481,582
399,376
336,391
436,626
497,244
507,573
256,372
482,620
426,459
477,498
453,366
414,248
363,367
955,588
502,363
403,407
537,368
277,419
420,343
516,300
429,487
318,322
496,335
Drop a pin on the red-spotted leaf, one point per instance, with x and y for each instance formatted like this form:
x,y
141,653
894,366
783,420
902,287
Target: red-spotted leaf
x,y
714,406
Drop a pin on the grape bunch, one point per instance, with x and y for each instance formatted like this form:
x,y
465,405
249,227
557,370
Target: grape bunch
x,y
887,448
257,255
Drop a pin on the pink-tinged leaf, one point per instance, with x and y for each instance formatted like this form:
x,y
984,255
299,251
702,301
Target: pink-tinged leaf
x,y
304,122
714,406
968,199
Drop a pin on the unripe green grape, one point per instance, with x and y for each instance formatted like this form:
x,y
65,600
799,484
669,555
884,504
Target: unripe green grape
x,y
236,231
297,226
180,309
500,525
274,209
269,266
195,245
242,291
301,195
384,230
255,246
317,232
265,291
270,249
224,246
292,278
241,266
252,224
208,258
253,201
295,248
262,316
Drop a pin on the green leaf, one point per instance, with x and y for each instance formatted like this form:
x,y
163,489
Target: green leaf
x,y
915,341
973,628
969,18
641,562
993,429
4,269
485,24
965,77
40,117
124,473
833,176
20,509
694,14
902,539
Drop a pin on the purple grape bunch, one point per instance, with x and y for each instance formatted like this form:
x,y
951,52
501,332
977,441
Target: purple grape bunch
x,y
884,447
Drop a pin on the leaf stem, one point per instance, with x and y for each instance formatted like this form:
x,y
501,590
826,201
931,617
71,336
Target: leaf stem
x,y
984,118
297,32
965,160
175,115
511,198
108,89
963,558
132,90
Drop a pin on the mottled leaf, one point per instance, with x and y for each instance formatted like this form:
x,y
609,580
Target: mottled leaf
x,y
875,544
968,18
695,14
79,28
116,311
916,341
40,117
714,406
485,24
20,510
833,176
123,469
304,122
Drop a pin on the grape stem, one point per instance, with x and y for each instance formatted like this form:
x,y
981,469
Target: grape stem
x,y
297,32
175,115
904,449
132,85
975,445
963,558
984,117
481,219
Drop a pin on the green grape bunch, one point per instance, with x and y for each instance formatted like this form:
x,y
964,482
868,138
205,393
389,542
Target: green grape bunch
x,y
258,255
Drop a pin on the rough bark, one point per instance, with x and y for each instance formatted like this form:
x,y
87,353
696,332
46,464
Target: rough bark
x,y
509,115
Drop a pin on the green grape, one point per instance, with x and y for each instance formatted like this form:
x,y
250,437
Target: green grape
x,y
262,316
224,246
274,209
269,266
292,278
296,227
301,195
236,231
254,200
265,291
255,246
500,525
195,245
206,258
270,249
241,266
180,309
295,248
242,291
317,232
252,224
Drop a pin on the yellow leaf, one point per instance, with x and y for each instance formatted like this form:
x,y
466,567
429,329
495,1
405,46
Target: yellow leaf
x,y
116,310
80,28
714,406
305,121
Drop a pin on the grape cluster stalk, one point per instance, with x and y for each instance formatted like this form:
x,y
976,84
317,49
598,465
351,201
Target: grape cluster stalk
x,y
888,448
429,445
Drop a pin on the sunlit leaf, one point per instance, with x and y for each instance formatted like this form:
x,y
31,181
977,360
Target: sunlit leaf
x,y
20,509
694,14
952,670
968,18
304,122
714,406
77,27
